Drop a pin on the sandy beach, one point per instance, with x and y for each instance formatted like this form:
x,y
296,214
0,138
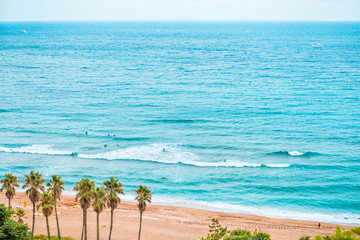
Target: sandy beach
x,y
164,222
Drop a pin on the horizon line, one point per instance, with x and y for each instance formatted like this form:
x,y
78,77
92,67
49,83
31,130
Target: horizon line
x,y
123,21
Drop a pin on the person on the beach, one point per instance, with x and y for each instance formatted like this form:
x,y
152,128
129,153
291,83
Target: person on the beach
x,y
319,225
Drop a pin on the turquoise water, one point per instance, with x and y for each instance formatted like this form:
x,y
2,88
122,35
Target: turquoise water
x,y
238,117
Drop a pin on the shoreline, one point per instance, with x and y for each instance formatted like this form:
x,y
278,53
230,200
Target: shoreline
x,y
214,207
166,222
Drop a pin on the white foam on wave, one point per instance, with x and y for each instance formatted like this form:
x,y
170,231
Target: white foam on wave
x,y
36,149
164,153
169,153
295,153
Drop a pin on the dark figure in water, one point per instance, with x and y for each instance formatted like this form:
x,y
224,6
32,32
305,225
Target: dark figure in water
x,y
105,146
86,133
109,134
163,177
319,225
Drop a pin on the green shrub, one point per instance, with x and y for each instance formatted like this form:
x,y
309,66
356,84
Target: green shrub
x,y
246,235
305,238
12,230
216,232
5,214
340,234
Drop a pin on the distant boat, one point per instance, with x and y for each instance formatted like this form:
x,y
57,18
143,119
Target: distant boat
x,y
24,31
317,45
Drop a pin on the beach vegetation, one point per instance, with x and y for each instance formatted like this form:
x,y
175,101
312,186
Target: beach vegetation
x,y
8,185
99,206
20,213
10,229
143,196
340,234
113,187
33,183
56,186
216,231
84,190
5,214
47,203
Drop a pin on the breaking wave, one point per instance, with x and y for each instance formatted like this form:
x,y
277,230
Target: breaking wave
x,y
36,149
160,153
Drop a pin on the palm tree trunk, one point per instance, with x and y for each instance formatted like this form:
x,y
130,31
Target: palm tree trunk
x,y
9,204
33,223
48,228
85,225
97,225
57,223
111,221
140,225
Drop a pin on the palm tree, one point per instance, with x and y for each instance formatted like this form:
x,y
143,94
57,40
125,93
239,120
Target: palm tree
x,y
113,187
98,204
56,186
20,213
143,196
84,188
8,184
47,202
34,183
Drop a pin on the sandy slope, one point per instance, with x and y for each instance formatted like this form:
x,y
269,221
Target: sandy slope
x,y
164,222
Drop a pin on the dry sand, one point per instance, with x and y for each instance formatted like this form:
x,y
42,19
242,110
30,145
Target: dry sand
x,y
163,222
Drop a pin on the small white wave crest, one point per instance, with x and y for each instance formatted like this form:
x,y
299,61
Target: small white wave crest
x,y
295,153
278,165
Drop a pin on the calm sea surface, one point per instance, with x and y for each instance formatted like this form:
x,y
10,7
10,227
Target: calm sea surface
x,y
237,117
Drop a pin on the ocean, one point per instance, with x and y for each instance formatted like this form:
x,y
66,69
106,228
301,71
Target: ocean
x,y
244,117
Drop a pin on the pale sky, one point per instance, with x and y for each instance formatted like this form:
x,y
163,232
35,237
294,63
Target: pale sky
x,y
179,10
